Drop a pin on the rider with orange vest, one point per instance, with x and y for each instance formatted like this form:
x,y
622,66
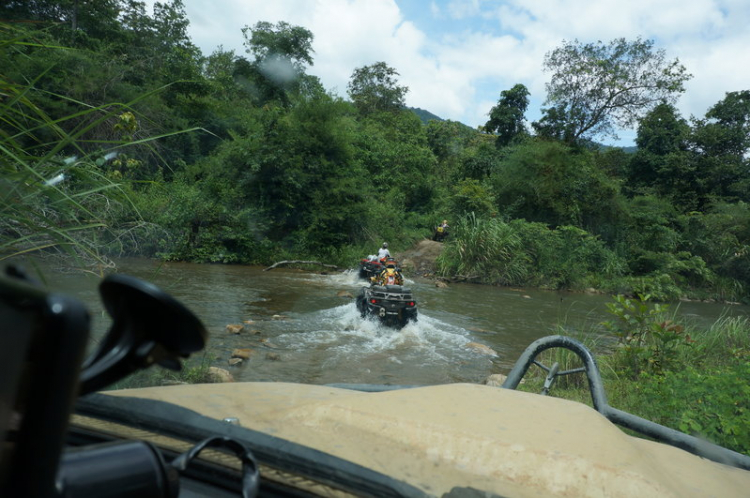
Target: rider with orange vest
x,y
391,275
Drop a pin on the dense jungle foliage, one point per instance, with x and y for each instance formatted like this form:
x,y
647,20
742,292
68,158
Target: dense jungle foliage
x,y
119,137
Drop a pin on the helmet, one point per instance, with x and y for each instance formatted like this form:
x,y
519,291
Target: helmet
x,y
385,245
445,222
390,263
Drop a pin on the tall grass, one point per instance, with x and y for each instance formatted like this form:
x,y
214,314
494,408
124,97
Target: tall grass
x,y
486,250
51,192
55,195
725,342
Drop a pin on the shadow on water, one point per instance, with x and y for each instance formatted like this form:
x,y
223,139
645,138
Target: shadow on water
x,y
304,327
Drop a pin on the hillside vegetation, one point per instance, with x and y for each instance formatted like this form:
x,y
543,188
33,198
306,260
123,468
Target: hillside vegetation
x,y
119,137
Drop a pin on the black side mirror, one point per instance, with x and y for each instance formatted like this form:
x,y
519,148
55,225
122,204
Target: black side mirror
x,y
150,326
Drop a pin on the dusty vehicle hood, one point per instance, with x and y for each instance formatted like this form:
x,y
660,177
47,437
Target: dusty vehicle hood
x,y
436,438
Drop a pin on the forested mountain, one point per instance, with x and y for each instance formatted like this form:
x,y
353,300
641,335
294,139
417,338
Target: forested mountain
x,y
120,137
425,116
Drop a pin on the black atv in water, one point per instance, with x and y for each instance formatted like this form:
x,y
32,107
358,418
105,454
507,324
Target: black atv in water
x,y
369,268
394,305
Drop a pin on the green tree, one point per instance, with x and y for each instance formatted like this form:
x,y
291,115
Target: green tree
x,y
721,143
721,236
652,240
449,141
171,24
551,183
216,111
733,113
51,201
281,54
596,87
662,131
506,118
557,122
663,163
470,196
374,88
393,149
125,57
651,224
266,41
297,167
72,20
614,161
480,160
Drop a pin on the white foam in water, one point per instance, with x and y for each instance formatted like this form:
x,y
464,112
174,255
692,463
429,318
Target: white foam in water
x,y
346,333
339,337
349,277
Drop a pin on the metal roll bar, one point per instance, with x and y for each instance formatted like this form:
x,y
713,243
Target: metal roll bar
x,y
645,427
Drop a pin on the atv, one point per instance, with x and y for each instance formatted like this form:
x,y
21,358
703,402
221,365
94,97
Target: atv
x,y
394,305
440,233
369,268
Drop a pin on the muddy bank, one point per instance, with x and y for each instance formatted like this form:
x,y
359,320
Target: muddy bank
x,y
419,260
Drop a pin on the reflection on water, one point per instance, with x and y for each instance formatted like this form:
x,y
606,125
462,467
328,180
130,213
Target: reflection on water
x,y
304,327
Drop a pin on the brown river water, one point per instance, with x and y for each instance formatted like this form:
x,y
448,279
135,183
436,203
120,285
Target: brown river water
x,y
303,330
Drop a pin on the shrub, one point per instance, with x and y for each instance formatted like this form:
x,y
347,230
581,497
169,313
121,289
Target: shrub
x,y
566,257
487,250
470,196
712,404
647,339
659,286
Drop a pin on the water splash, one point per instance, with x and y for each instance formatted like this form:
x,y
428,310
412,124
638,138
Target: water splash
x,y
346,334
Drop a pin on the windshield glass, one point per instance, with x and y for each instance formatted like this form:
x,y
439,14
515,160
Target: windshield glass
x,y
342,224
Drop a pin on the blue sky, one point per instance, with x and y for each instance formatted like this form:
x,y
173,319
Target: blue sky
x,y
456,56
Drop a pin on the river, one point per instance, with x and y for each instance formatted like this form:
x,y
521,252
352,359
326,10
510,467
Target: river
x,y
303,330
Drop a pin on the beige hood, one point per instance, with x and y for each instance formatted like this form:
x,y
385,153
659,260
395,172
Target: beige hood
x,y
506,442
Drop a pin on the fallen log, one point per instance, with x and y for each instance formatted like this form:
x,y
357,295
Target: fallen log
x,y
298,262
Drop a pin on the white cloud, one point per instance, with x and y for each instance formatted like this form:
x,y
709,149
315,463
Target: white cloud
x,y
710,37
460,54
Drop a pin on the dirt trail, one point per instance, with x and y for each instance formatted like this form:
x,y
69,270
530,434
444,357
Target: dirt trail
x,y
420,259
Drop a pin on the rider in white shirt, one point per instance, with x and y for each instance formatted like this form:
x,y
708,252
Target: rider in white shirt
x,y
383,252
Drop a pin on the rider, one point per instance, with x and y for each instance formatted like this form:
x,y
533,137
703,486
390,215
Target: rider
x,y
391,275
383,252
441,231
